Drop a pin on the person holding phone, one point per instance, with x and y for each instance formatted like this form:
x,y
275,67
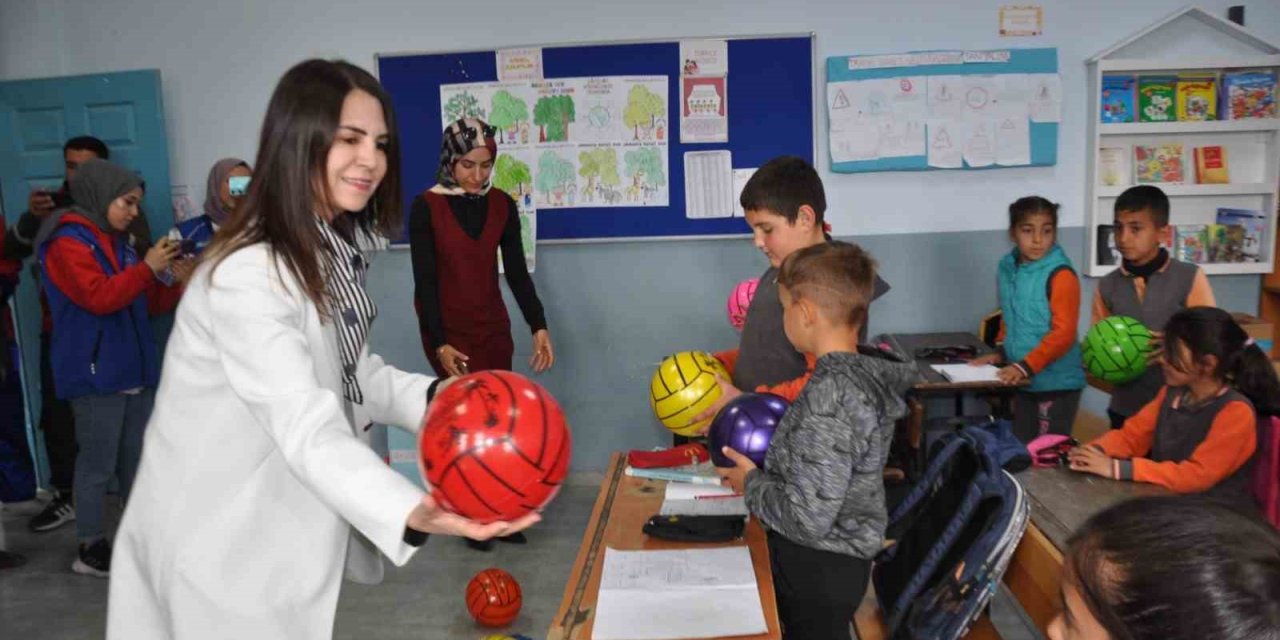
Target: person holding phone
x,y
227,185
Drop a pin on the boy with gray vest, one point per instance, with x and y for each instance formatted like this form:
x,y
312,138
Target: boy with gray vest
x,y
784,203
1149,285
821,492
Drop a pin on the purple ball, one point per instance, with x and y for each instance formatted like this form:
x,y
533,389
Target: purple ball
x,y
746,425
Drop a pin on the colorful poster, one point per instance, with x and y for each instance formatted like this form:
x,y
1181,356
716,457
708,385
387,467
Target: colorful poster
x,y
704,109
582,139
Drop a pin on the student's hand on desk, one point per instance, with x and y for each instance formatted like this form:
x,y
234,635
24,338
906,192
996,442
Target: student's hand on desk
x,y
990,358
736,476
430,517
1090,459
1010,374
727,393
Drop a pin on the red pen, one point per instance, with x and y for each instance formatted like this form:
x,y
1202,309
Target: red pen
x,y
719,496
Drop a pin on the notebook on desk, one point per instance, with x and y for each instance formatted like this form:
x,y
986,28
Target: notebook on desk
x,y
960,373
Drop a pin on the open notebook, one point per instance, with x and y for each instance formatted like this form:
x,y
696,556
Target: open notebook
x,y
967,373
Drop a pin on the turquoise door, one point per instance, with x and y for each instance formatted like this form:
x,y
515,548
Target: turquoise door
x,y
125,111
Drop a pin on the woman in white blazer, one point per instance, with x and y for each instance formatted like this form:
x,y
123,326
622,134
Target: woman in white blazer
x,y
252,476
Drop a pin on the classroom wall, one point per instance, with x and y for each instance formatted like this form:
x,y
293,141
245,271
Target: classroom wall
x,y
615,309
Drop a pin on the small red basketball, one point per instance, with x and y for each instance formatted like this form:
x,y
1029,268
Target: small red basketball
x,y
493,598
494,446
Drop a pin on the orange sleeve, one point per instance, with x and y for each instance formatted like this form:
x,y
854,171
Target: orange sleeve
x,y
1100,309
1232,439
1064,311
727,358
791,389
1201,294
1001,333
1139,431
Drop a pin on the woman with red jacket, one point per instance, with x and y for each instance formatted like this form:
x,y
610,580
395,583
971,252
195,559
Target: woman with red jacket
x,y
103,353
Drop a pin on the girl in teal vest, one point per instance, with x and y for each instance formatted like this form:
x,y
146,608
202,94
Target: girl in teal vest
x,y
1040,302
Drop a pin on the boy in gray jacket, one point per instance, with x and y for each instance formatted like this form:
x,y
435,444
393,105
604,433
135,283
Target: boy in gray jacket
x,y
821,494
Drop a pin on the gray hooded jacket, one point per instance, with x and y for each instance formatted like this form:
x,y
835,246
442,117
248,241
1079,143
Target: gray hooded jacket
x,y
823,486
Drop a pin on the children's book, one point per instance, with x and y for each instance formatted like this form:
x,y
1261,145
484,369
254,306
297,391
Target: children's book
x,y
1155,98
1253,225
1211,164
1113,166
1107,252
1189,243
1249,94
1158,164
1224,242
1197,98
1118,98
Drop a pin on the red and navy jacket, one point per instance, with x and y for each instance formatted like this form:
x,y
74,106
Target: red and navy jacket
x,y
100,293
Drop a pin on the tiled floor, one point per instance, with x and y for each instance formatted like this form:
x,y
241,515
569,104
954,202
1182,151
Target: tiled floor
x,y
423,601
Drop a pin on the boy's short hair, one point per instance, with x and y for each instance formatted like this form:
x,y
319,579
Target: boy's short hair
x,y
1145,197
782,185
88,143
836,276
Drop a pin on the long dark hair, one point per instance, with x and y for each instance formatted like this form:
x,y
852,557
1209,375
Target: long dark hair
x,y
1211,331
289,173
1174,568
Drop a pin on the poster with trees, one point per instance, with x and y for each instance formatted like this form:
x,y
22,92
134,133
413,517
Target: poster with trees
x,y
573,137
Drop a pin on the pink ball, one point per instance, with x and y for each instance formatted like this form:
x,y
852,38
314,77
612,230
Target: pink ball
x,y
739,301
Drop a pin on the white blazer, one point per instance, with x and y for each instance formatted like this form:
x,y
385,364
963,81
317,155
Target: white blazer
x,y
252,476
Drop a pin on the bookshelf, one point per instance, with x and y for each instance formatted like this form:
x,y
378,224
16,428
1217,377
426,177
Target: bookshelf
x,y
1188,41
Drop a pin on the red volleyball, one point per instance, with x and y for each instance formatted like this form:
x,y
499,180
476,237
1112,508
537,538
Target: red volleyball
x,y
494,446
493,598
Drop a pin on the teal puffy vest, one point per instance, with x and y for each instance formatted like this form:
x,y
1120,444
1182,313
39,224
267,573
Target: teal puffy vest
x,y
1024,301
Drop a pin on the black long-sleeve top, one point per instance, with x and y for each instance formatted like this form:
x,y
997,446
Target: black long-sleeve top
x,y
471,213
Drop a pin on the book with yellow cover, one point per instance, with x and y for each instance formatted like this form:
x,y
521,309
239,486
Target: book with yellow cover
x,y
1211,165
1197,98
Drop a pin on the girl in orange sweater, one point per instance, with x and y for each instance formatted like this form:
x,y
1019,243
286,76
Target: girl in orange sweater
x,y
1200,432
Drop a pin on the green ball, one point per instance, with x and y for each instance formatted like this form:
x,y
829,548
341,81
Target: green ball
x,y
1115,350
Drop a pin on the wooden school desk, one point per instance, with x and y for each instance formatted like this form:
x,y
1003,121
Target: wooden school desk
x,y
1061,501
621,509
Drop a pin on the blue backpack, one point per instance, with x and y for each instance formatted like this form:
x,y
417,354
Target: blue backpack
x,y
950,540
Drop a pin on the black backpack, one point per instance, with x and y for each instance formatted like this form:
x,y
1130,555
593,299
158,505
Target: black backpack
x,y
951,540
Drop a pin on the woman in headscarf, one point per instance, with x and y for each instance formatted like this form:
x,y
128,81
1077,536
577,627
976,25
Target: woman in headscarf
x,y
456,229
102,350
219,204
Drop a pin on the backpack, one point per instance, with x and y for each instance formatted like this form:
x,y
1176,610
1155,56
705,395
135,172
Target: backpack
x,y
950,540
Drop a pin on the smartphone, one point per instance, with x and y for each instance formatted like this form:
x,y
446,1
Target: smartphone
x,y
187,247
61,199
238,185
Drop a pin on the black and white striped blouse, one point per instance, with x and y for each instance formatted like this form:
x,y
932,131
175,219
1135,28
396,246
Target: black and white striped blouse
x,y
353,311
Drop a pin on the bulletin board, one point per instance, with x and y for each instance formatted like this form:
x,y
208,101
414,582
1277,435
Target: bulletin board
x,y
940,110
770,112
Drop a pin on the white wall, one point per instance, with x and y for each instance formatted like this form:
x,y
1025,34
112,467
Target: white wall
x,y
219,62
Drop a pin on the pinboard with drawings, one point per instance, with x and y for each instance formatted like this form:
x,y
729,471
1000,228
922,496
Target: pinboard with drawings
x,y
595,147
928,110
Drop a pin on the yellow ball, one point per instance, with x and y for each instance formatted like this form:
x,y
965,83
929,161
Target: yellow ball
x,y
684,386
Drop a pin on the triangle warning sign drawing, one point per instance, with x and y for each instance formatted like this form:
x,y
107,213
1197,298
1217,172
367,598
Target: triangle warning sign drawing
x,y
841,101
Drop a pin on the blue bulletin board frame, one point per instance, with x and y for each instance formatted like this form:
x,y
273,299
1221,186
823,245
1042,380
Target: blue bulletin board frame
x,y
771,111
1044,135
